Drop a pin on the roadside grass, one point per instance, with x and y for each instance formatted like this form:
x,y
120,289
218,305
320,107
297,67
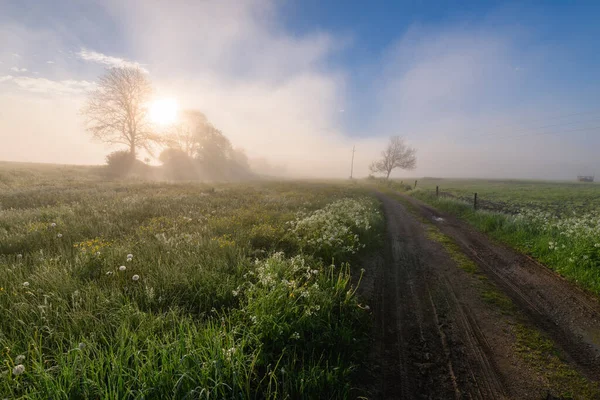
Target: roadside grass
x,y
154,290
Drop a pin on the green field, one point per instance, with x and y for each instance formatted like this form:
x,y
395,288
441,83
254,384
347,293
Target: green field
x,y
510,196
557,223
155,290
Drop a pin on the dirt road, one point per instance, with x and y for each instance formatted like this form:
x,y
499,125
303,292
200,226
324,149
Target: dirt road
x,y
506,329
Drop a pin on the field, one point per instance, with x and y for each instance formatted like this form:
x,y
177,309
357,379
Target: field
x,y
156,290
558,223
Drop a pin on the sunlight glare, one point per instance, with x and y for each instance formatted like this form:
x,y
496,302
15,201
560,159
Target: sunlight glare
x,y
163,111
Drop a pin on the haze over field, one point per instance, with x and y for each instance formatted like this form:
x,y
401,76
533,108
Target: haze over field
x,y
498,91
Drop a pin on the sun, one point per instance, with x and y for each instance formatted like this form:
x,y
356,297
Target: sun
x,y
163,111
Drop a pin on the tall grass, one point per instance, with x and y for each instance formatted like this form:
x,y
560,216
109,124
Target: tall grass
x,y
220,298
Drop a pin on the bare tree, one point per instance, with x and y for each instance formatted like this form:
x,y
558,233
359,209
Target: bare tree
x,y
396,155
117,111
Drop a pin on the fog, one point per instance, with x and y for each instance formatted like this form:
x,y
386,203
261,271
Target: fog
x,y
464,94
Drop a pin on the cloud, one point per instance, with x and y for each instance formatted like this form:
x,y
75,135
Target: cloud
x,y
17,69
111,62
48,86
49,62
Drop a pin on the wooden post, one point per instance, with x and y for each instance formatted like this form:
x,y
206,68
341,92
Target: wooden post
x,y
475,202
437,191
415,184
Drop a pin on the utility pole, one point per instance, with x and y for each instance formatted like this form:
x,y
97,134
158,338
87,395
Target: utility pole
x,y
352,164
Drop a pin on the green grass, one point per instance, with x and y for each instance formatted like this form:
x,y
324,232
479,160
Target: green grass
x,y
236,297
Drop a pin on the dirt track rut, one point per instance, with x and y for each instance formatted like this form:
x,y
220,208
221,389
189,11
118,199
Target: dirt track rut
x,y
437,338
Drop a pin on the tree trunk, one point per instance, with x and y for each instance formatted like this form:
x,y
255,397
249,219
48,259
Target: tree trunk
x,y
388,174
132,150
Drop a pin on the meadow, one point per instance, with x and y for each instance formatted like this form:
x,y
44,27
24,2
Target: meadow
x,y
557,223
126,289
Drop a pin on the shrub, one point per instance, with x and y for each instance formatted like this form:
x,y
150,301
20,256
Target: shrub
x,y
120,163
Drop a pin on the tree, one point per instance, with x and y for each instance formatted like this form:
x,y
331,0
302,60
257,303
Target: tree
x,y
117,111
396,155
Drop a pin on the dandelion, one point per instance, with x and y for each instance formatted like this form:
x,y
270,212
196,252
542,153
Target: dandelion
x,y
97,253
18,369
109,273
59,235
25,284
19,256
129,257
81,346
135,278
235,292
122,268
19,359
53,225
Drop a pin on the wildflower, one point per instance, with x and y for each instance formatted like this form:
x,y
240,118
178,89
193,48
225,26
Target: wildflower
x,y
53,225
19,256
135,278
122,268
19,359
296,335
25,284
235,293
18,369
59,235
97,253
109,273
81,346
129,257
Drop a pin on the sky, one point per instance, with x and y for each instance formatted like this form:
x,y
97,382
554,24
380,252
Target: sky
x,y
480,89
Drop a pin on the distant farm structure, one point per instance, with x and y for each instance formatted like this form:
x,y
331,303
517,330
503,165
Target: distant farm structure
x,y
585,178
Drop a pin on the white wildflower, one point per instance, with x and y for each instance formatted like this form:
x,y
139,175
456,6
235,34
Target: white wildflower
x,y
18,369
53,225
109,273
81,346
19,256
122,268
135,278
26,284
59,235
19,359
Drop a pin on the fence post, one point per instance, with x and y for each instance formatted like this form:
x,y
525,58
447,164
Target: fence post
x,y
437,191
475,202
415,184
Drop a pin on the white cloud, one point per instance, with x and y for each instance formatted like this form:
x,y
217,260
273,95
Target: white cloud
x,y
17,69
49,62
112,62
16,55
48,86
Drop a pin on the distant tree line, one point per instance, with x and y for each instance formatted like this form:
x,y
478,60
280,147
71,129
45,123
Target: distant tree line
x,y
116,113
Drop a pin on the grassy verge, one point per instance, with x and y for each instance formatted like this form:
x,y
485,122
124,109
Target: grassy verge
x,y
138,290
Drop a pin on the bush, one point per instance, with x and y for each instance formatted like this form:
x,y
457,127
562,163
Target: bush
x,y
120,163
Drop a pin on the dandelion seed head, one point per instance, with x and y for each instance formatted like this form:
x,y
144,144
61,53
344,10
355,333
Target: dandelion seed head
x,y
59,235
18,369
122,268
135,278
26,284
19,359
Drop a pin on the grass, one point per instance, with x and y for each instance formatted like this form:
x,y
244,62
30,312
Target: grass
x,y
231,291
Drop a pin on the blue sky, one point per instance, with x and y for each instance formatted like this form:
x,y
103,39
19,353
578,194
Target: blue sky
x,y
301,82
